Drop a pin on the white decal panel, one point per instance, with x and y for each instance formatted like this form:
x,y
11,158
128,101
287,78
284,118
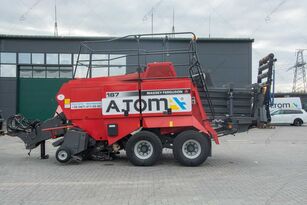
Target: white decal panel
x,y
152,101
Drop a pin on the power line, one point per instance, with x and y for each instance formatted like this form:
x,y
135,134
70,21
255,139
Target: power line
x,y
268,17
24,15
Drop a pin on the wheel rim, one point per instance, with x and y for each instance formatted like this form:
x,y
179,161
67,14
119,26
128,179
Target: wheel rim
x,y
191,149
62,155
143,149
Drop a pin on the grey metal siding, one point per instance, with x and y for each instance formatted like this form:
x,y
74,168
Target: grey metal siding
x,y
226,62
8,89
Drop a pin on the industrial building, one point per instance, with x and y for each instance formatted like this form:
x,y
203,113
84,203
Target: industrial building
x,y
34,67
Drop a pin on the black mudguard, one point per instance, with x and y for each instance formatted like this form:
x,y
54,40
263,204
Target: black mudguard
x,y
74,140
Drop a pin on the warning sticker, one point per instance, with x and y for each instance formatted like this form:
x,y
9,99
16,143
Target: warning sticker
x,y
85,105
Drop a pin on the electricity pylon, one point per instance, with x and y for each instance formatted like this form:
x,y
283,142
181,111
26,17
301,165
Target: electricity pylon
x,y
299,78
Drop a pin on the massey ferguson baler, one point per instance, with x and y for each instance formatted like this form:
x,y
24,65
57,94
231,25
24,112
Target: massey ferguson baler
x,y
145,111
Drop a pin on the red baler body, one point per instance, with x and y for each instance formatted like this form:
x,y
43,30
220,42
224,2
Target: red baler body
x,y
87,103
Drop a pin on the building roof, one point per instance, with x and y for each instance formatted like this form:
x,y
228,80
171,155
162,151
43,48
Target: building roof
x,y
90,38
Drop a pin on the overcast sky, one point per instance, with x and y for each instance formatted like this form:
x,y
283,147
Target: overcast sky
x,y
278,26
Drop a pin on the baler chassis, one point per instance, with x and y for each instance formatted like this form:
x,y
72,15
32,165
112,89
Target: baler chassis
x,y
144,111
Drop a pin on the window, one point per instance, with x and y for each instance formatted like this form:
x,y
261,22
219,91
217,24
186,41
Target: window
x,y
118,60
81,72
298,112
8,58
100,65
99,71
8,71
52,58
65,58
39,72
293,112
53,72
25,71
24,58
117,65
99,59
278,112
65,72
82,57
117,70
38,58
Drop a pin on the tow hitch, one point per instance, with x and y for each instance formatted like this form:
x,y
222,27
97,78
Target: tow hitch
x,y
34,132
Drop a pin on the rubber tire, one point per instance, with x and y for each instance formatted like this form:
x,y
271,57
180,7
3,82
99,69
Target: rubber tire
x,y
156,144
204,142
68,154
298,122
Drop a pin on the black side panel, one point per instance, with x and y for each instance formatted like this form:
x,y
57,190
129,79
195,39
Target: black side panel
x,y
75,141
220,97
